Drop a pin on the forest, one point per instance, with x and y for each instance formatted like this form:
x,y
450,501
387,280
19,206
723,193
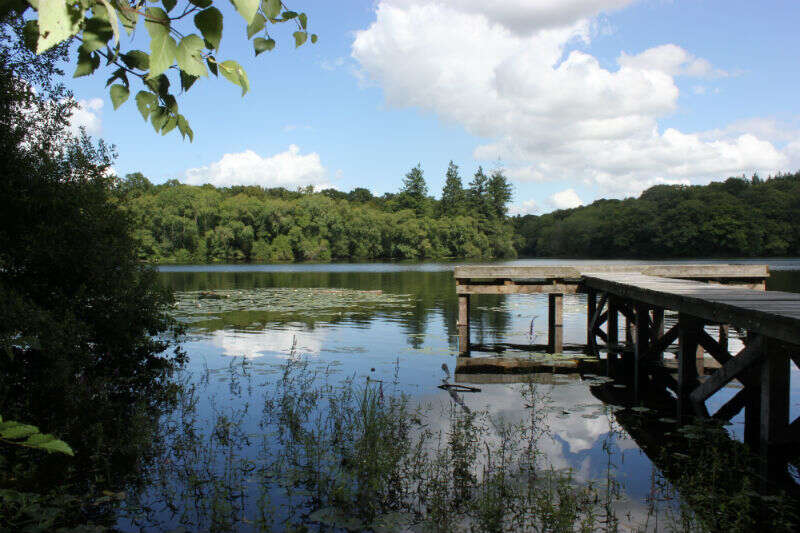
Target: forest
x,y
738,217
178,223
184,223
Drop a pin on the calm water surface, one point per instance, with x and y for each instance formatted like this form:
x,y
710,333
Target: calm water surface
x,y
390,322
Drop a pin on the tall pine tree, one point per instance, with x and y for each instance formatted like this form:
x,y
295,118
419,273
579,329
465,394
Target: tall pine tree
x,y
414,193
499,193
453,196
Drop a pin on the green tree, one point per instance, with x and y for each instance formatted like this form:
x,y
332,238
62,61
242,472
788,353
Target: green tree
x,y
499,194
453,196
414,193
182,41
477,194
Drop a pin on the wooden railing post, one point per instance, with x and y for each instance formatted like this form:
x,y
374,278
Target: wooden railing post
x,y
555,322
463,324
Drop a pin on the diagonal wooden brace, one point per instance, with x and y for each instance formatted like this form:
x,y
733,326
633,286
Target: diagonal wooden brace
x,y
734,368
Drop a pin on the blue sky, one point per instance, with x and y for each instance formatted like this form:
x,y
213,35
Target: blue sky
x,y
575,99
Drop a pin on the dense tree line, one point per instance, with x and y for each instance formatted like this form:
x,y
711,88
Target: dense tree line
x,y
184,223
737,217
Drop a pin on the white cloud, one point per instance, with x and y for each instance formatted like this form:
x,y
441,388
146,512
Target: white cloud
x,y
502,70
566,199
285,169
671,60
525,16
87,115
528,207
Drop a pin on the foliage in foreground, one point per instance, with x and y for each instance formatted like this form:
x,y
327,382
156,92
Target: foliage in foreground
x,y
173,47
84,326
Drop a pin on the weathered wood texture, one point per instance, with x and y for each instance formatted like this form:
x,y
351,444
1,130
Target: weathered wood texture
x,y
680,271
555,323
774,314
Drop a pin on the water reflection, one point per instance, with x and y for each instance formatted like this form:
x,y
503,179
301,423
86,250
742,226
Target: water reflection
x,y
395,329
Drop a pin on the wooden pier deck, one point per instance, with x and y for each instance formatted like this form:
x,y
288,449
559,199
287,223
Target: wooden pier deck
x,y
701,295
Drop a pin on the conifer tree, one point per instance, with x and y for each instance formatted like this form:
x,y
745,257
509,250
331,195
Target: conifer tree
x,y
453,194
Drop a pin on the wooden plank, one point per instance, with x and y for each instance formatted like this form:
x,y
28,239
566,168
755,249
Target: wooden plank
x,y
511,272
750,355
544,288
555,323
782,325
708,271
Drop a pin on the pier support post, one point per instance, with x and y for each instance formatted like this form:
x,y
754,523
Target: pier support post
x,y
775,374
591,307
463,324
641,347
555,323
688,334
658,328
774,416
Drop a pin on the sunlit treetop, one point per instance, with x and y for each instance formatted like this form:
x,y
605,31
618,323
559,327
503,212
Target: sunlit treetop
x,y
183,40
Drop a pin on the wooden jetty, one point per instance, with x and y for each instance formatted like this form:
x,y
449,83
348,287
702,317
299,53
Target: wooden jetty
x,y
701,295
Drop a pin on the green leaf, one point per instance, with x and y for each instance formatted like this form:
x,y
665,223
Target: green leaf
x,y
299,38
263,45
146,101
234,72
96,33
202,4
128,17
303,20
163,47
120,74
156,22
288,15
57,22
159,117
170,124
15,430
271,8
257,25
212,65
190,56
112,20
184,128
136,59
30,35
246,8
169,4
209,22
87,63
54,446
119,94
159,85
313,38
187,81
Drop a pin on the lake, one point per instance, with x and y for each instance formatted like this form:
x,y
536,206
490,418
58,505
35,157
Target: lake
x,y
272,347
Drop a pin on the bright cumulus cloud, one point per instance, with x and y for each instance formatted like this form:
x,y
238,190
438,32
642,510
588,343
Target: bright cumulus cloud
x,y
87,115
566,199
502,70
285,169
